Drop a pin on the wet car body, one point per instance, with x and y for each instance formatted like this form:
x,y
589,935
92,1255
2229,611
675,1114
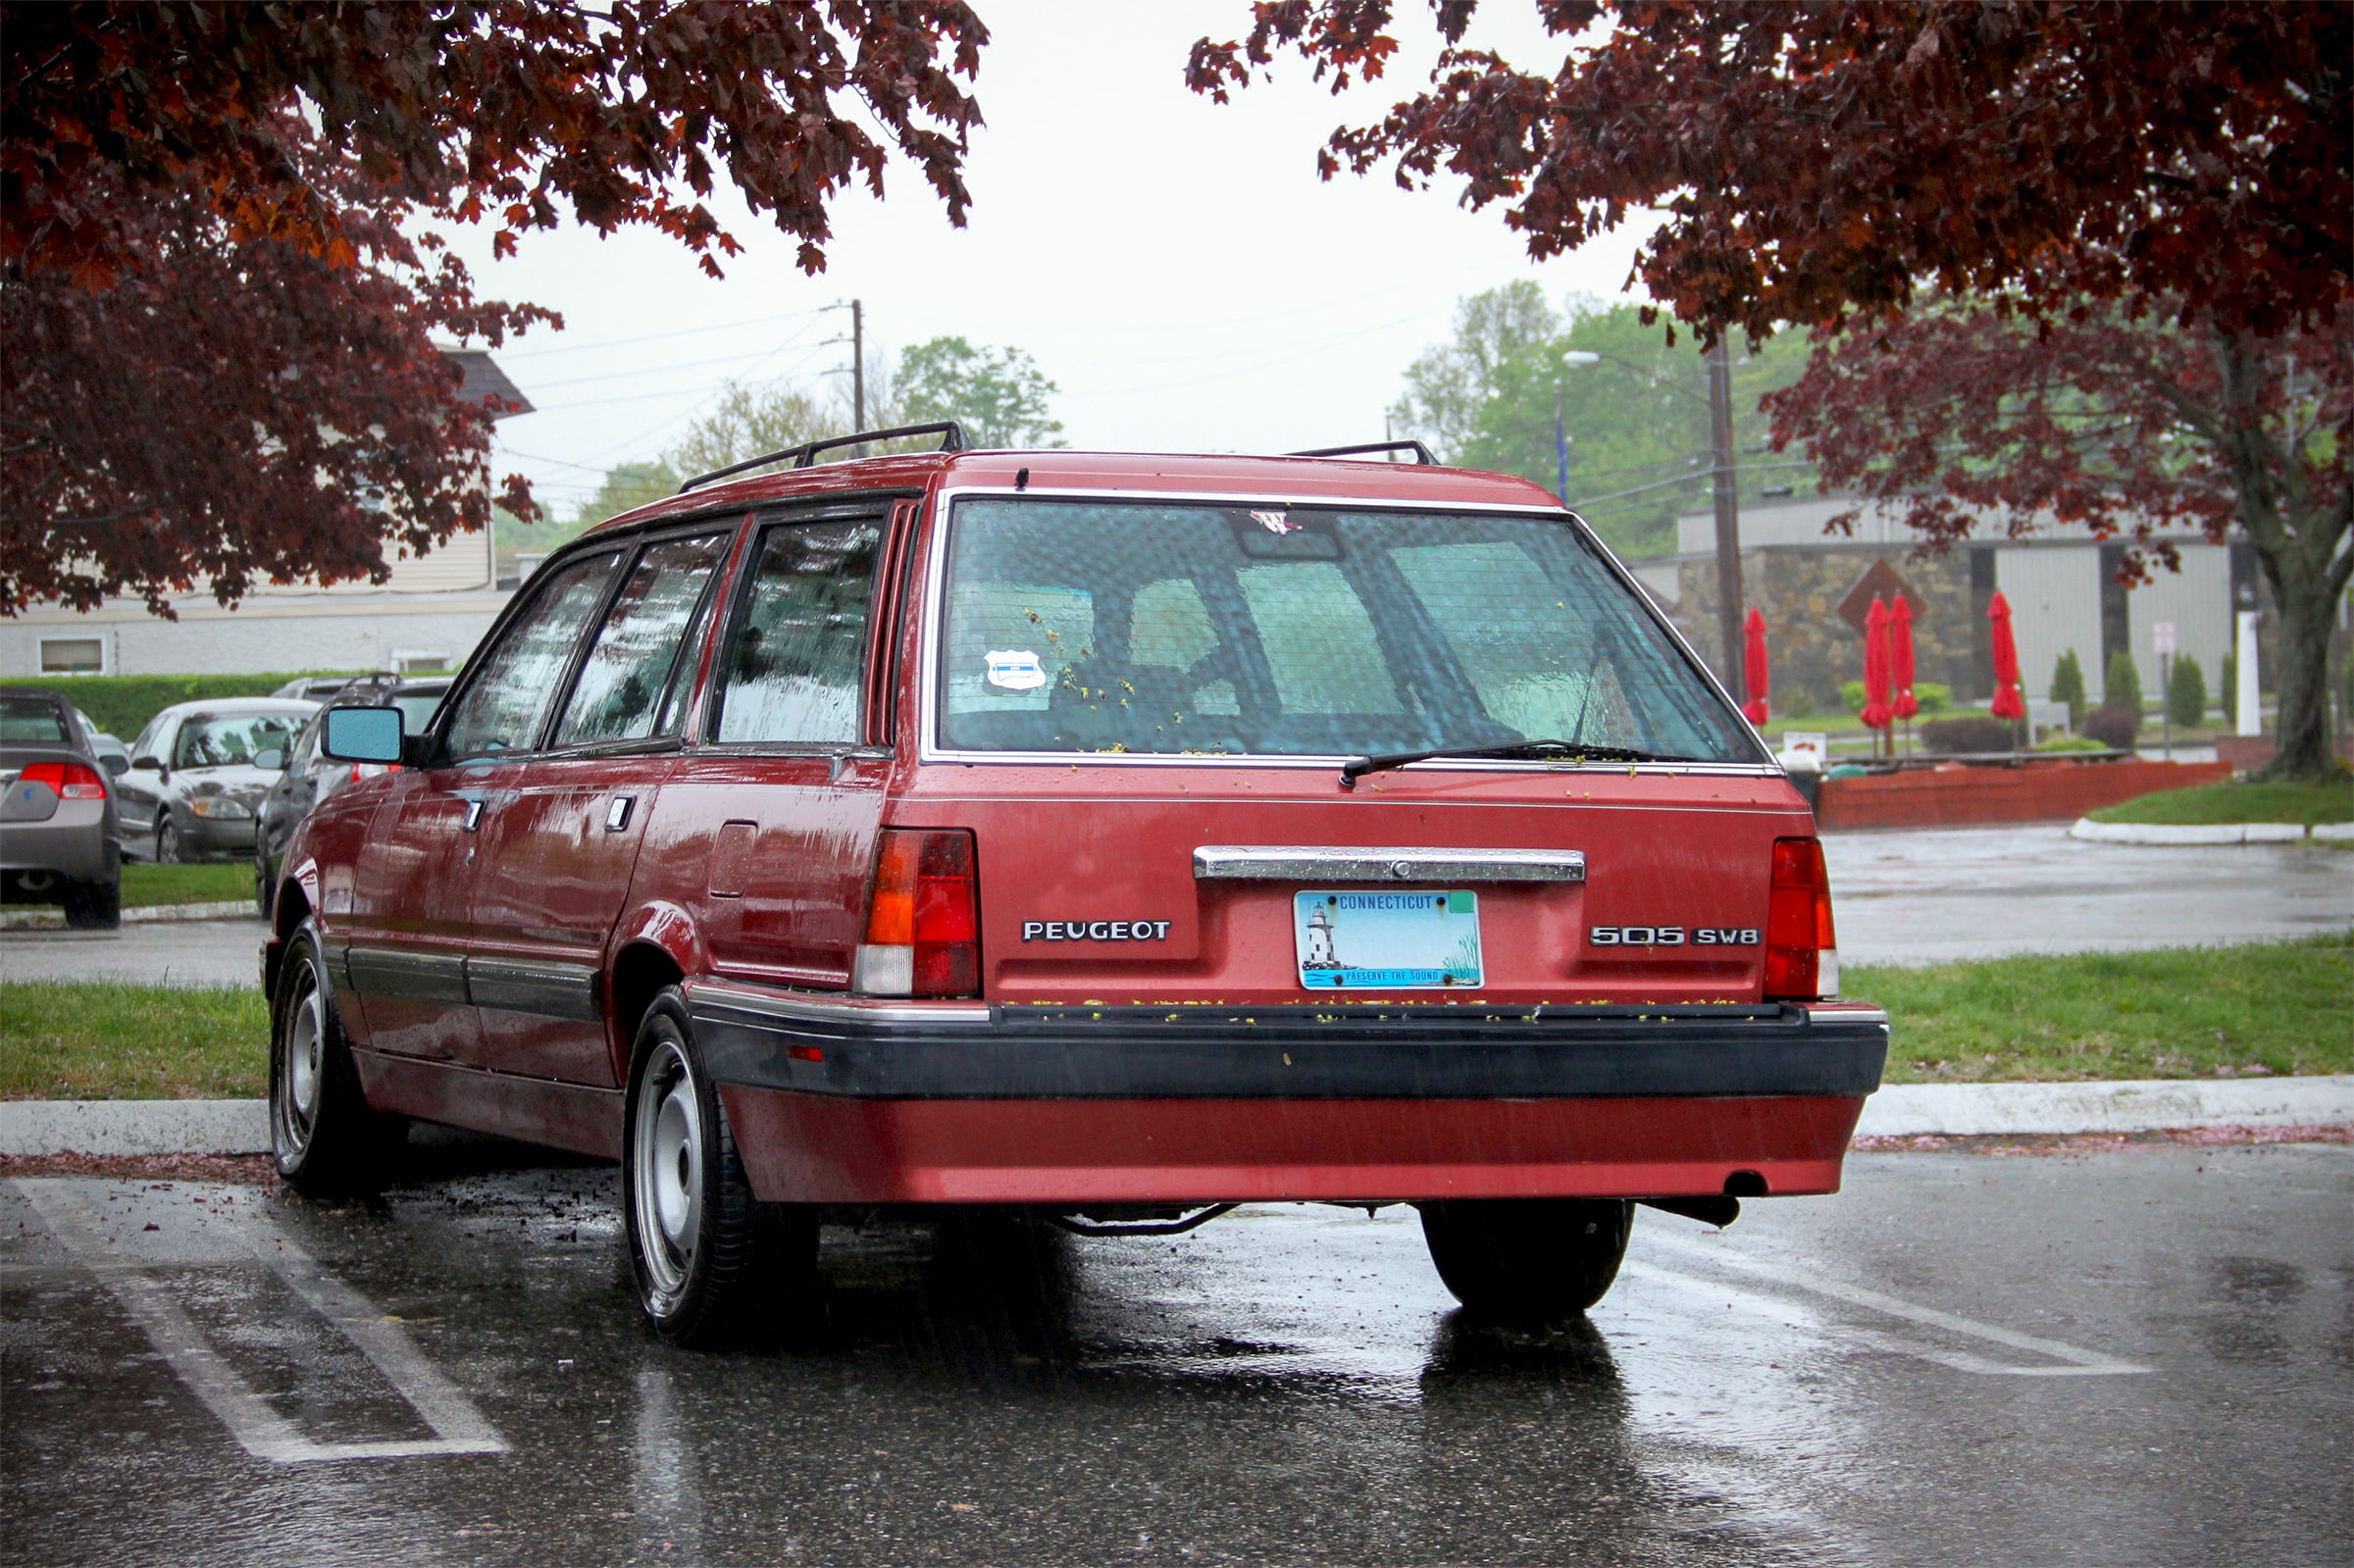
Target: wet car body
x,y
310,778
933,919
198,772
57,811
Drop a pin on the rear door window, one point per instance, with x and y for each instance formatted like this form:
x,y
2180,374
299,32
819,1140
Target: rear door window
x,y
507,703
796,658
639,658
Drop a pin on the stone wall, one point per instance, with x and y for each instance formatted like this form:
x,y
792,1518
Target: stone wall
x,y
1812,647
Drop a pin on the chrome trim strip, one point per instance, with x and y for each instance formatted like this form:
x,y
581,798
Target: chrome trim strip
x,y
1845,1013
936,542
828,1007
1313,863
411,976
544,988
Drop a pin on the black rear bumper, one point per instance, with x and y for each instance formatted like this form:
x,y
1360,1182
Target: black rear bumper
x,y
816,1043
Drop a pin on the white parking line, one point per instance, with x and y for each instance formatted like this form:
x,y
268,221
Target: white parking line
x,y
2073,1361
458,1427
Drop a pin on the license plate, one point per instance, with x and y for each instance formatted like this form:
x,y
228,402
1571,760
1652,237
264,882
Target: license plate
x,y
1358,940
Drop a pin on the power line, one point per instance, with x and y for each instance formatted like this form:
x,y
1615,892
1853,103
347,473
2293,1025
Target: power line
x,y
658,337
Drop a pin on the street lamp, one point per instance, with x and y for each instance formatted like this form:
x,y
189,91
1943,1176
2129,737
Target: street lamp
x,y
1569,357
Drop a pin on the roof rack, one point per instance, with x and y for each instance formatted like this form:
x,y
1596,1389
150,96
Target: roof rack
x,y
1422,452
952,439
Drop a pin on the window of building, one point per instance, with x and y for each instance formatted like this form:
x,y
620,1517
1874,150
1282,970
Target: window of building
x,y
72,655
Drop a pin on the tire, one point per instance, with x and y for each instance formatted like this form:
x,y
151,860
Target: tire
x,y
93,905
261,885
1529,1259
168,851
325,1139
709,1260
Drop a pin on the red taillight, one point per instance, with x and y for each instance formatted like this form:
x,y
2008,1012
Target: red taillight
x,y
923,925
1802,958
70,779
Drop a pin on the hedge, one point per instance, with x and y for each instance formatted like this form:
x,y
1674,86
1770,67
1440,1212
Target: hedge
x,y
122,704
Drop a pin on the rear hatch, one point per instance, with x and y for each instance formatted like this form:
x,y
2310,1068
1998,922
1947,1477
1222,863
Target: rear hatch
x,y
1228,886
1142,711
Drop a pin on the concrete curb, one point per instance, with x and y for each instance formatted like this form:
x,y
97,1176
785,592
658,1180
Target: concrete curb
x,y
2218,832
2139,1105
145,914
134,1127
1954,1110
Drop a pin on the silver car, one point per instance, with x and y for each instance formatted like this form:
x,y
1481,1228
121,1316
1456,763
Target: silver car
x,y
198,772
58,813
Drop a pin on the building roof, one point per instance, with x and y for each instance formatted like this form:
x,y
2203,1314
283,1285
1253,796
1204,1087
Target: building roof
x,y
484,379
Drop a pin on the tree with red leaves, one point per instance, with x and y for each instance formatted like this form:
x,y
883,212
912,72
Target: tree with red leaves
x,y
2133,228
220,282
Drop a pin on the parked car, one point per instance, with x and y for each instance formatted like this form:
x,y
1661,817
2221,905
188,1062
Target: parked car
x,y
57,813
320,687
1105,839
197,773
113,755
310,778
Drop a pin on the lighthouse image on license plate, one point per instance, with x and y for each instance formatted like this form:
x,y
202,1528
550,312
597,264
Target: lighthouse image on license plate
x,y
1358,940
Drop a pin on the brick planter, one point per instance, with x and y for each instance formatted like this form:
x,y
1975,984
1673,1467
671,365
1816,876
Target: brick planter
x,y
2053,789
2247,753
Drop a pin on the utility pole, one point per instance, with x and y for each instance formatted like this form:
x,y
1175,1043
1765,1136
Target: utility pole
x,y
858,365
1729,520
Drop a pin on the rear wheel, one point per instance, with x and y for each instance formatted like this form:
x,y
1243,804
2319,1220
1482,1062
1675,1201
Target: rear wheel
x,y
1529,1259
167,843
94,905
707,1256
323,1135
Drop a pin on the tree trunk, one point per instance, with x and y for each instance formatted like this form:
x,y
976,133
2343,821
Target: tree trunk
x,y
2308,603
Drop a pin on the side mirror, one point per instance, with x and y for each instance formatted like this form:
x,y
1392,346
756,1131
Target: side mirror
x,y
116,763
271,759
151,765
360,735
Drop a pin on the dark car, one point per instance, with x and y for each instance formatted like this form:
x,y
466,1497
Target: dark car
x,y
197,773
310,778
58,814
1102,838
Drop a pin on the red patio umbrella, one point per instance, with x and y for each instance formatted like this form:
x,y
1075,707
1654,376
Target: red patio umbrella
x,y
1876,712
1900,657
1756,674
2007,704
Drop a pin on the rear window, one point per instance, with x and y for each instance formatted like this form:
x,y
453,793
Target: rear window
x,y
31,719
1215,630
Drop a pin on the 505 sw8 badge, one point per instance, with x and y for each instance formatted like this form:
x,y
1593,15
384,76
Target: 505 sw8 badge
x,y
1110,839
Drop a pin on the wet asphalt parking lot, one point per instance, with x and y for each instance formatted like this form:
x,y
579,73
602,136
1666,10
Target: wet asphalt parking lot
x,y
2140,1356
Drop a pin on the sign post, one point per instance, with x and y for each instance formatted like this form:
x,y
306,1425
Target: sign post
x,y
2162,634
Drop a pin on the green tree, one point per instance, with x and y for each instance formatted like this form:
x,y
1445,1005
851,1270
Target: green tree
x,y
2121,684
627,485
2186,692
997,395
748,419
2067,685
1448,384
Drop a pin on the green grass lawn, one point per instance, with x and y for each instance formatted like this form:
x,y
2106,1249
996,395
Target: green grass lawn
x,y
2182,1012
146,886
93,1041
2259,800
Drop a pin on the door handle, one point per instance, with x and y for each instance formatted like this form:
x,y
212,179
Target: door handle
x,y
474,815
617,812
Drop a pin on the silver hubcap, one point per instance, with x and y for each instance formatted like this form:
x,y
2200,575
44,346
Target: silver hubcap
x,y
667,1169
302,1069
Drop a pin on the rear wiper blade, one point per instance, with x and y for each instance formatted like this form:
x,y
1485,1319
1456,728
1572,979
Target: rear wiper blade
x,y
1575,750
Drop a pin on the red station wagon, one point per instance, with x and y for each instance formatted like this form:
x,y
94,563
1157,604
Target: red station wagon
x,y
1114,838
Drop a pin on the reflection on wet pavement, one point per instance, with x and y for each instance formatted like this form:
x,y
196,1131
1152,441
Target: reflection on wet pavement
x,y
1832,1381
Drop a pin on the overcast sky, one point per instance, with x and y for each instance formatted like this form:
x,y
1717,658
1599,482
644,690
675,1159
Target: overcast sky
x,y
1174,266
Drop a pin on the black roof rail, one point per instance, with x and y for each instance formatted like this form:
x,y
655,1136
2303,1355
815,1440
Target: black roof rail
x,y
952,439
1422,452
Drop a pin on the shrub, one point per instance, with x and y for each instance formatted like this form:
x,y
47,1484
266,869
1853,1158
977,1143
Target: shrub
x,y
1850,695
2228,694
2114,727
2186,693
1972,734
2070,743
1933,697
2067,685
2121,684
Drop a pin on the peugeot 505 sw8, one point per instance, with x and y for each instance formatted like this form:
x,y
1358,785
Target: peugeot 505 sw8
x,y
1109,837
